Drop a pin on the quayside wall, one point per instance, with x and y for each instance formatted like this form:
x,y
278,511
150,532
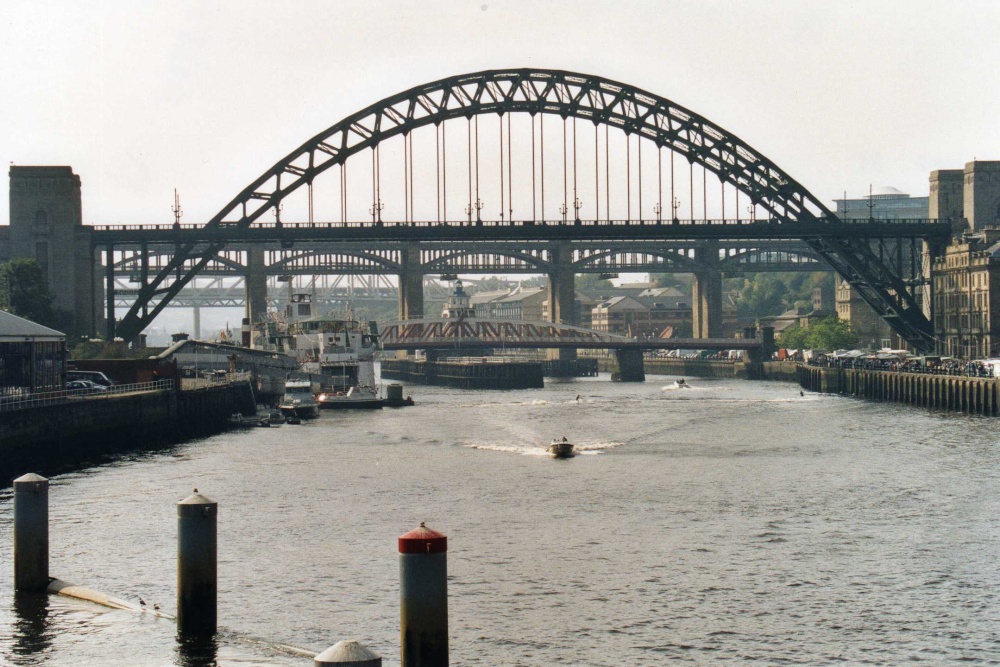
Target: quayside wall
x,y
467,374
713,368
53,438
969,395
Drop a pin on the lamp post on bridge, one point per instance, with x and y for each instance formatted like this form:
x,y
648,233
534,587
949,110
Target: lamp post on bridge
x,y
658,210
176,208
675,204
477,207
577,205
563,210
376,212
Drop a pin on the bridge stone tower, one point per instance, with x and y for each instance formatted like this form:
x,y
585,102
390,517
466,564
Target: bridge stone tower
x,y
982,194
947,197
46,224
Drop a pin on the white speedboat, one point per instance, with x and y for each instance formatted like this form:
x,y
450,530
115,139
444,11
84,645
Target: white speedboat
x,y
681,384
561,449
298,400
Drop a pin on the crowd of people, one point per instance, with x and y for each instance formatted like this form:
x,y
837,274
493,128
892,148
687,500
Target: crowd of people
x,y
947,366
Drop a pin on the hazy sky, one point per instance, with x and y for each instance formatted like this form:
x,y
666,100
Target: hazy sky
x,y
143,97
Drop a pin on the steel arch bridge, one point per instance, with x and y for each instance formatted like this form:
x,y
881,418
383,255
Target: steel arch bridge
x,y
859,253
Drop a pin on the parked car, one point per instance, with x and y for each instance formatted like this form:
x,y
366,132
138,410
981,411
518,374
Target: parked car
x,y
97,377
85,387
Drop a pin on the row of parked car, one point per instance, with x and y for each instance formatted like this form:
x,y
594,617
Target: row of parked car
x,y
88,382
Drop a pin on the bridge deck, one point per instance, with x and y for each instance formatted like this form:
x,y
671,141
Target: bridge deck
x,y
523,230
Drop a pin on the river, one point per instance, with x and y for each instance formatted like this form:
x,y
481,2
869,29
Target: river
x,y
733,522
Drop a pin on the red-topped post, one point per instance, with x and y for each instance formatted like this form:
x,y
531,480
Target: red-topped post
x,y
423,598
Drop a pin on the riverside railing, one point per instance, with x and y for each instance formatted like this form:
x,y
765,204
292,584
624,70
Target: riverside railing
x,y
25,400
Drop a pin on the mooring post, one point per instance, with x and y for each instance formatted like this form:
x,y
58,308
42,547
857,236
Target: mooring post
x,y
423,597
197,588
31,533
347,653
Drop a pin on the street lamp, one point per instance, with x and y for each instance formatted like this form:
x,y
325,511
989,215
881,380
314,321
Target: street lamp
x,y
563,210
577,205
376,211
676,204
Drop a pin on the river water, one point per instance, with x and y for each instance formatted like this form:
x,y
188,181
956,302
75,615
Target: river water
x,y
734,522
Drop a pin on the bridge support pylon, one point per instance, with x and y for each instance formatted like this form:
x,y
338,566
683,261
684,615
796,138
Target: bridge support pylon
x,y
630,367
256,287
562,296
411,285
706,301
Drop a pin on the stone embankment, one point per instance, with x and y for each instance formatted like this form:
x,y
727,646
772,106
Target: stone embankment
x,y
51,438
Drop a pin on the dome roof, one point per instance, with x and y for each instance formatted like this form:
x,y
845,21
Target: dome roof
x,y
887,192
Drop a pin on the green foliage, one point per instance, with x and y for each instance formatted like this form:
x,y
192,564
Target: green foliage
x,y
592,283
24,291
828,333
764,294
794,338
681,281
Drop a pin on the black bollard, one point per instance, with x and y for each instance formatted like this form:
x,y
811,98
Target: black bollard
x,y
423,596
347,653
31,533
197,587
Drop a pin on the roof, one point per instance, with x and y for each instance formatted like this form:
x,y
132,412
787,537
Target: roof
x,y
521,294
660,292
623,303
486,297
12,326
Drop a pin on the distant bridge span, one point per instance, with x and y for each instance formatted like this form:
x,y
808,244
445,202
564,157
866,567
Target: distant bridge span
x,y
472,333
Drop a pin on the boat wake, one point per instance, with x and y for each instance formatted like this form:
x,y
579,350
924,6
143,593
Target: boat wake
x,y
541,450
524,451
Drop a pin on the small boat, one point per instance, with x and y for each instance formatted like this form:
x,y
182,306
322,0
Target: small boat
x,y
681,384
292,419
355,398
561,449
298,400
237,420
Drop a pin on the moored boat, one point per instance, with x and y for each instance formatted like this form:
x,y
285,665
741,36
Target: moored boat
x,y
298,400
355,398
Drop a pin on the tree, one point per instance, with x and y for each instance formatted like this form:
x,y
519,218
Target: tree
x,y
831,333
794,338
828,333
24,291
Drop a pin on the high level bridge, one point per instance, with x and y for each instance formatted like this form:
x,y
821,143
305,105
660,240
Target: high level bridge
x,y
524,171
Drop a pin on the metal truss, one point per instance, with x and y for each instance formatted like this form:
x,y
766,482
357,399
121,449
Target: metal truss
x,y
475,333
534,91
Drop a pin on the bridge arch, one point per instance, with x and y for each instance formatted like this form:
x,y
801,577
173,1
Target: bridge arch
x,y
673,259
566,94
557,92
